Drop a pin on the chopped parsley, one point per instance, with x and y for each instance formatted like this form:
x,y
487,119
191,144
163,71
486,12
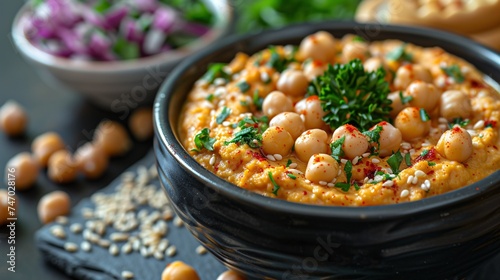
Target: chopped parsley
x,y
223,115
431,163
251,132
348,173
358,39
278,62
243,86
395,161
408,160
216,70
291,176
276,187
461,122
374,135
424,153
202,140
348,94
210,97
399,54
454,72
257,100
336,148
244,103
405,99
423,115
288,162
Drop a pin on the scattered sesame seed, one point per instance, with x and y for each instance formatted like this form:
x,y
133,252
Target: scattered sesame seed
x,y
388,171
412,151
118,236
86,246
58,231
264,76
103,243
76,228
415,180
219,81
63,220
113,249
388,184
127,248
427,183
355,160
226,123
375,160
334,180
339,172
426,144
424,187
293,165
127,274
475,144
405,145
419,173
171,251
144,252
344,161
158,255
278,156
307,181
323,183
271,158
178,222
219,91
70,247
365,155
295,171
479,125
331,185
200,250
405,193
212,160
442,126
378,178
410,179
442,120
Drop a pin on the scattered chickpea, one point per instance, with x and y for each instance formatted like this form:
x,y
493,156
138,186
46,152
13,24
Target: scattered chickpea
x,y
276,102
45,145
291,122
141,124
113,138
91,160
353,50
13,118
411,125
52,205
293,83
455,104
179,270
312,111
276,140
322,167
318,46
4,206
424,95
355,143
26,170
62,168
310,142
315,68
230,275
411,72
390,139
455,144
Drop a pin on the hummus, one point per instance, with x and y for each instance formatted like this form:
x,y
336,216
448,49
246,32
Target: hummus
x,y
391,122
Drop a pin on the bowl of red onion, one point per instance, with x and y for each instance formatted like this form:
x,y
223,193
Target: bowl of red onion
x,y
116,52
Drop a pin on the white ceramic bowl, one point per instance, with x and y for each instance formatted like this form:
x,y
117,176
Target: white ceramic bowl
x,y
113,85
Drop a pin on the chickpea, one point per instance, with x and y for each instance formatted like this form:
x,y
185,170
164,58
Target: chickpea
x,y
113,138
455,144
411,125
322,167
310,142
53,205
312,111
397,104
4,206
409,73
45,145
276,102
26,170
390,139
424,95
314,69
62,168
291,122
141,124
355,143
13,118
318,46
91,160
373,64
231,275
179,270
354,50
455,104
276,140
293,83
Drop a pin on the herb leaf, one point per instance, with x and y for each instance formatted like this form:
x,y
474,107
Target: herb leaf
x,y
288,162
243,86
374,135
431,163
223,115
348,173
210,97
202,140
257,100
423,115
251,132
394,162
276,187
216,70
405,99
336,148
399,54
461,122
291,176
454,72
408,160
278,62
348,94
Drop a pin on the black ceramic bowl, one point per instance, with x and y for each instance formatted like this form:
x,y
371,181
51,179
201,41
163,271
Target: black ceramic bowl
x,y
445,236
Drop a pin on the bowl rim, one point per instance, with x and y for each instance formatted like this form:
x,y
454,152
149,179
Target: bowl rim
x,y
224,17
168,139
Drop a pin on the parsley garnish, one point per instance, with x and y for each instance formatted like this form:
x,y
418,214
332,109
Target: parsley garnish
x,y
454,72
210,97
244,103
288,162
276,61
423,115
431,163
459,121
348,94
408,160
336,148
202,140
223,115
374,135
257,100
291,176
348,173
216,70
251,132
358,39
405,99
243,86
399,54
276,187
394,162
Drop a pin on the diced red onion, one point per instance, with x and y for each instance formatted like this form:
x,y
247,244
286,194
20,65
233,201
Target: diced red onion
x,y
165,19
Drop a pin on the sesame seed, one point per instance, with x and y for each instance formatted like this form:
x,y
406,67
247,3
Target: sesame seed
x,y
171,251
426,144
406,146
113,250
424,187
295,171
158,255
86,246
419,173
293,165
415,180
427,183
405,193
127,274
103,243
365,180
475,144
307,181
410,179
355,160
58,231
344,161
219,81
264,76
388,171
200,250
339,172
76,228
127,248
479,125
323,183
278,156
118,236
70,247
388,184
271,158
63,220
334,180
378,178
442,120
331,185
365,155
144,252
412,151
375,160
178,222
212,160
442,126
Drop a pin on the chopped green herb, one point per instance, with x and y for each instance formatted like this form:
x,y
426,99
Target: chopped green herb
x,y
223,115
210,97
431,163
395,161
251,132
405,99
216,70
291,176
461,122
399,54
243,86
336,148
356,186
358,39
202,140
423,115
424,153
348,171
276,61
276,187
244,103
288,162
454,72
408,160
374,135
343,186
125,49
257,100
348,94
